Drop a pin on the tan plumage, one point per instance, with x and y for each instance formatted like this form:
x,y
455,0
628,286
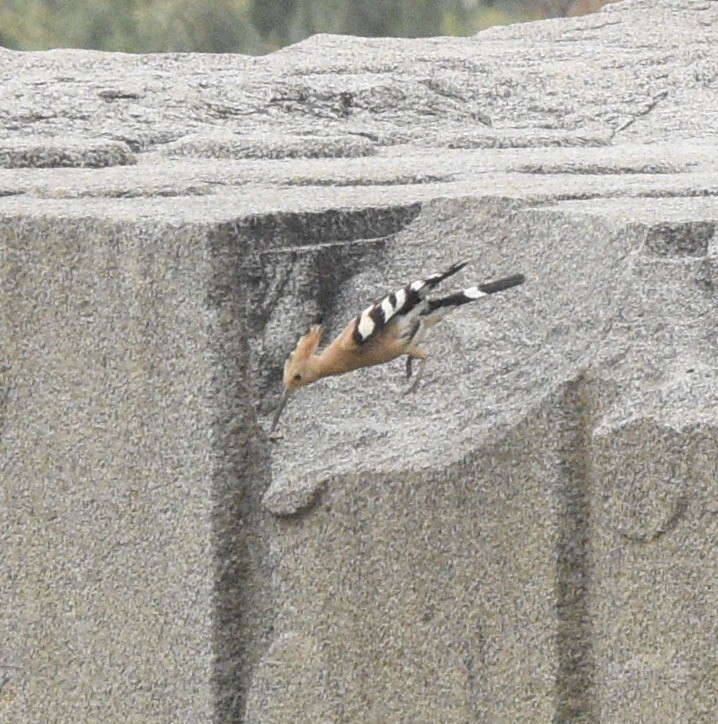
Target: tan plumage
x,y
389,328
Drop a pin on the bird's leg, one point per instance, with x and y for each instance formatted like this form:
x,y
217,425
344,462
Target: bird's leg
x,y
417,379
408,367
420,354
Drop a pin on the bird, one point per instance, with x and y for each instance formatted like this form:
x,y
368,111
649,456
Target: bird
x,y
390,327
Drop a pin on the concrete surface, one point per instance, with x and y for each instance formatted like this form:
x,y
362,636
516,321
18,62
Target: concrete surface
x,y
529,537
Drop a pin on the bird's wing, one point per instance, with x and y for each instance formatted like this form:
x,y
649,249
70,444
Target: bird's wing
x,y
402,306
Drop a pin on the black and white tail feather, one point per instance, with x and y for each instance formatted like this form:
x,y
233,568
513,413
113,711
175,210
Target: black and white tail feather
x,y
438,308
414,313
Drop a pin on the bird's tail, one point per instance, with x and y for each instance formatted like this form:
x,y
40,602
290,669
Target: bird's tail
x,y
500,284
439,307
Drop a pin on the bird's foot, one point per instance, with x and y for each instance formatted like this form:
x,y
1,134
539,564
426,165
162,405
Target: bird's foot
x,y
415,384
410,389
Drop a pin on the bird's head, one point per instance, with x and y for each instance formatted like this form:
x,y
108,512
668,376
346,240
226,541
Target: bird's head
x,y
298,369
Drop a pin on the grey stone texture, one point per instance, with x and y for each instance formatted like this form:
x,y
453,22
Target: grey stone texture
x,y
530,537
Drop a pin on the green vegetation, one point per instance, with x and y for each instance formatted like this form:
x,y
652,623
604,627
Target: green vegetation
x,y
245,26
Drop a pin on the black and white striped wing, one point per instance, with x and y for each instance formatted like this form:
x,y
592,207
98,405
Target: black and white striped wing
x,y
407,304
376,316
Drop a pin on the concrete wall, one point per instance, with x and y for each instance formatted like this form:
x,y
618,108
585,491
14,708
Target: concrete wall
x,y
530,536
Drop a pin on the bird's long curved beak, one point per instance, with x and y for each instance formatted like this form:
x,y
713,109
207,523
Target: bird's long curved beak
x,y
282,402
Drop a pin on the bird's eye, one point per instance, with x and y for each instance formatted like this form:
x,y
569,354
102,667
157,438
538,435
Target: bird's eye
x,y
297,377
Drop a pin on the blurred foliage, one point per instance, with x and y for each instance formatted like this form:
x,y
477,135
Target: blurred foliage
x,y
252,26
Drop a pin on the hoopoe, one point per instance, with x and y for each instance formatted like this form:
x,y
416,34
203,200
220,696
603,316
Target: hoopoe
x,y
391,327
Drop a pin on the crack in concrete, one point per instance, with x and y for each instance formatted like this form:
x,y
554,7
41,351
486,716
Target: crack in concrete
x,y
644,112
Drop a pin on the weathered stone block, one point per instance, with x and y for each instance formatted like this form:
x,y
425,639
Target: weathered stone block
x,y
529,537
